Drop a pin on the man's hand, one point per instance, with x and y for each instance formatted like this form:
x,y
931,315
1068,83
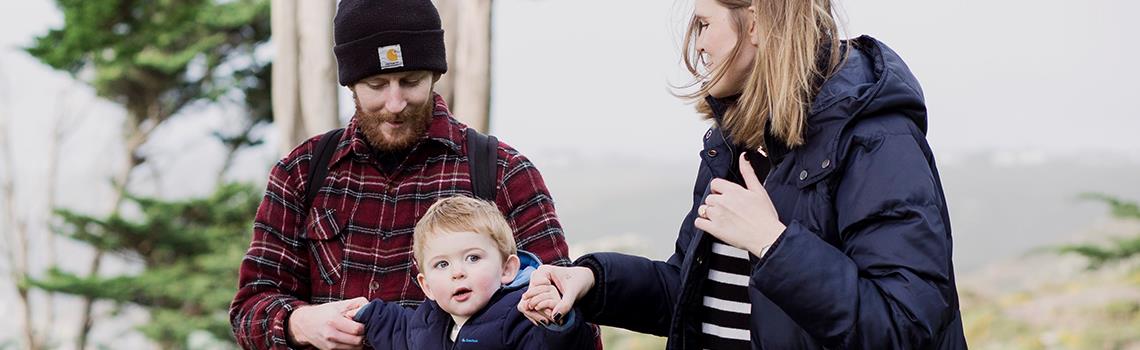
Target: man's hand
x,y
326,327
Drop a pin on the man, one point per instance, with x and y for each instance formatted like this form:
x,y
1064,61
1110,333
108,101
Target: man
x,y
402,150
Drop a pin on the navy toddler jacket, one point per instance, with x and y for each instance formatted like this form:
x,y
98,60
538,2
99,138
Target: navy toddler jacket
x,y
498,326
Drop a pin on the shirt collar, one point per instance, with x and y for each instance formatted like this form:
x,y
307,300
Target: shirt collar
x,y
443,130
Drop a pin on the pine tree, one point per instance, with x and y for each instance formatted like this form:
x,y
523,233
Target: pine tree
x,y
1121,248
155,58
189,250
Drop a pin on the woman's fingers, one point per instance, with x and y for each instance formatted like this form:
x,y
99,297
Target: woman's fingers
x,y
722,186
751,181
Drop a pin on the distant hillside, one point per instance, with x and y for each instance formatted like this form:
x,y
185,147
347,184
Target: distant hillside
x,y
1000,206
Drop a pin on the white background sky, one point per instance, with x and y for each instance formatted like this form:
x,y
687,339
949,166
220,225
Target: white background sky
x,y
591,76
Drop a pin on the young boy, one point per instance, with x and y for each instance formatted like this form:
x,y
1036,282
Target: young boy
x,y
473,276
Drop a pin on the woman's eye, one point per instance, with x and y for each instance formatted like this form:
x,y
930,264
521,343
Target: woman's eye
x,y
473,258
701,26
440,265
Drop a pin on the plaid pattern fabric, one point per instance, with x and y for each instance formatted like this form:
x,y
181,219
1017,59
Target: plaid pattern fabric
x,y
356,239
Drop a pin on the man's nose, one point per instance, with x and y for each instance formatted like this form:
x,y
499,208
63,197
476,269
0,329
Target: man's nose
x,y
394,101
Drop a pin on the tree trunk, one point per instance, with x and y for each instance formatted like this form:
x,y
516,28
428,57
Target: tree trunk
x,y
16,238
304,70
467,85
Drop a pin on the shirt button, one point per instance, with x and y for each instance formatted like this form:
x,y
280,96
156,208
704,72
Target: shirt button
x,y
374,285
826,163
712,153
803,175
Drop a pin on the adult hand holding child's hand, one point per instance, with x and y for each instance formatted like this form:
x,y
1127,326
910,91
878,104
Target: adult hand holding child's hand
x,y
553,291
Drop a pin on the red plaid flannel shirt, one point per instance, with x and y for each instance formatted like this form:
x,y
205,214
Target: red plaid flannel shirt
x,y
356,240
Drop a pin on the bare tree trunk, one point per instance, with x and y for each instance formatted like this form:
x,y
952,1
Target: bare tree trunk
x,y
65,122
304,70
467,35
17,252
137,133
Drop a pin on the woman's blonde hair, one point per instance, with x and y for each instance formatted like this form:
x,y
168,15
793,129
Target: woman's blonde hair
x,y
463,214
785,73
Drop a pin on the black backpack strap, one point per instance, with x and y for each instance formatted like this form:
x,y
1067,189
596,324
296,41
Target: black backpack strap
x,y
482,159
319,166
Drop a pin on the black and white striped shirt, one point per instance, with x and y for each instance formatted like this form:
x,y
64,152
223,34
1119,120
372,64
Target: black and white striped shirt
x,y
725,308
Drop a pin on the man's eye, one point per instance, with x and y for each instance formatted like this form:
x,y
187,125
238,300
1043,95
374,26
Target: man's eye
x,y
375,86
413,82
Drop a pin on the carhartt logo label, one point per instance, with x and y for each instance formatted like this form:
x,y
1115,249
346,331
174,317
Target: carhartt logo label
x,y
391,57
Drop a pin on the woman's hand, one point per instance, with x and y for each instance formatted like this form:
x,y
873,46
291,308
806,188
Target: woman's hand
x,y
553,291
743,217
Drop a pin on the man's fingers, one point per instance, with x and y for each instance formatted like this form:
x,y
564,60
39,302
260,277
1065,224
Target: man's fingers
x,y
750,179
333,337
347,326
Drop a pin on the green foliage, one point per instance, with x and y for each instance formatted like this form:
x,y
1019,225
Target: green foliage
x,y
157,56
189,249
1120,248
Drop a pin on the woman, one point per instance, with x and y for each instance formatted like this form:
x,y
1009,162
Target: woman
x,y
818,216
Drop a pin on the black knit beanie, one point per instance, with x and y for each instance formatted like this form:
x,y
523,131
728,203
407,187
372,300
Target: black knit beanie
x,y
387,36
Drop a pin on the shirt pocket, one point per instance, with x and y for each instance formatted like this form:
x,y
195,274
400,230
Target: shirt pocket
x,y
325,235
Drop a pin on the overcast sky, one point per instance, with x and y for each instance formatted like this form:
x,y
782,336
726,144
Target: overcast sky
x,y
1050,76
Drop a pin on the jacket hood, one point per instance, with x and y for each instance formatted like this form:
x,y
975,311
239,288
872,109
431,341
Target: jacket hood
x,y
528,262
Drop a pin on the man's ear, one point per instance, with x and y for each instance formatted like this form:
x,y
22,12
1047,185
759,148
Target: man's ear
x,y
753,36
510,269
423,285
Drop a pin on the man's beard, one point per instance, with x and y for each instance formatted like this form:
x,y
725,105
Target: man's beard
x,y
415,119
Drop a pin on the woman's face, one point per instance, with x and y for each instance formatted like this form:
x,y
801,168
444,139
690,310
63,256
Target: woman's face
x,y
715,40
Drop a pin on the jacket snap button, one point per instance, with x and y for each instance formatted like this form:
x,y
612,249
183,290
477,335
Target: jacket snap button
x,y
826,163
374,285
712,153
803,175
708,134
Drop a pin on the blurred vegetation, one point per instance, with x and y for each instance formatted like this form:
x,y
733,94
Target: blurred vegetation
x,y
1121,248
1093,305
156,58
189,250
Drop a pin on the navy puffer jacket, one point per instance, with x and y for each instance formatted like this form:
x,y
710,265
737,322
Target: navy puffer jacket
x,y
865,261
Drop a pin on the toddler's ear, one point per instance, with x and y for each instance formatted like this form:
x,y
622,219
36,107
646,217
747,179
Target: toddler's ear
x,y
510,269
423,285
